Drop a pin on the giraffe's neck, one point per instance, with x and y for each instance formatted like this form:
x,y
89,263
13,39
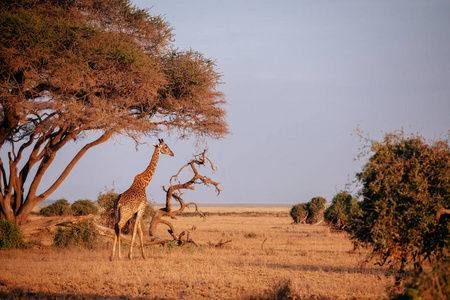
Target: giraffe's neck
x,y
145,177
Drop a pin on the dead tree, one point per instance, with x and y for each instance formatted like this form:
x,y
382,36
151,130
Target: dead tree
x,y
36,226
175,191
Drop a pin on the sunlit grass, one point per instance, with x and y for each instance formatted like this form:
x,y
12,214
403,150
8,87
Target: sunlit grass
x,y
265,251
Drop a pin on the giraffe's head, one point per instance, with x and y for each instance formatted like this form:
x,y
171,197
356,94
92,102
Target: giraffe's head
x,y
163,148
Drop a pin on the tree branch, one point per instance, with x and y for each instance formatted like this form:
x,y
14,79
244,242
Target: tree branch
x,y
174,191
32,200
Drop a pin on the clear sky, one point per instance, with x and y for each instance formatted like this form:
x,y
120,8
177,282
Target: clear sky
x,y
299,77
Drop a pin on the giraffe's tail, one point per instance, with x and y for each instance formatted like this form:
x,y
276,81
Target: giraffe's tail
x,y
117,207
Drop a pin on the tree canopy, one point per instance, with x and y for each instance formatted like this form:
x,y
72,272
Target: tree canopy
x,y
69,68
405,183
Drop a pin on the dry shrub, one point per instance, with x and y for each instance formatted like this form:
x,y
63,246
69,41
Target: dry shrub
x,y
83,234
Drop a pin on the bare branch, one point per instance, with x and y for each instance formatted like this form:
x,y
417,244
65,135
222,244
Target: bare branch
x,y
441,212
175,191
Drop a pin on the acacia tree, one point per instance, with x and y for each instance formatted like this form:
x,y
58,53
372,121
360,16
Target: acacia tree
x,y
69,69
405,186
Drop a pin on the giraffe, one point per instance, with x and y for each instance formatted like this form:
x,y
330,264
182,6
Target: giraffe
x,y
133,201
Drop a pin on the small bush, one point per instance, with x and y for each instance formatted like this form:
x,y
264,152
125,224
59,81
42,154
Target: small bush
x,y
83,234
84,208
312,211
316,208
342,208
299,212
10,236
59,208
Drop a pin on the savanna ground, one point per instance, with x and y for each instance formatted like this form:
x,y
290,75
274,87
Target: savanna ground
x,y
268,258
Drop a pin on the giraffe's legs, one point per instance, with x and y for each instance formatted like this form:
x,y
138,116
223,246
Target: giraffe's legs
x,y
116,238
118,244
142,239
136,225
111,258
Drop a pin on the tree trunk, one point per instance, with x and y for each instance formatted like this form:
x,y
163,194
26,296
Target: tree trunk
x,y
22,214
6,211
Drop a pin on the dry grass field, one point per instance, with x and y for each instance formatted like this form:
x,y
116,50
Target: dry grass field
x,y
267,258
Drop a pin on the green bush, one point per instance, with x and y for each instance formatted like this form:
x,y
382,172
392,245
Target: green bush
x,y
83,234
316,208
405,182
312,211
10,236
59,208
299,212
84,208
342,208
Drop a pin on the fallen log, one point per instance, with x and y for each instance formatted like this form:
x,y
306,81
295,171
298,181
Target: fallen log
x,y
49,222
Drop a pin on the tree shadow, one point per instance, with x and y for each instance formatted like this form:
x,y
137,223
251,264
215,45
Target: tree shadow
x,y
20,293
328,269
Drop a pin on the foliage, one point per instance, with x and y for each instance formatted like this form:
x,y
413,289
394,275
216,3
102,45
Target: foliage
x,y
342,208
316,208
433,284
299,212
84,208
404,184
73,69
312,211
106,199
60,208
106,202
83,234
10,236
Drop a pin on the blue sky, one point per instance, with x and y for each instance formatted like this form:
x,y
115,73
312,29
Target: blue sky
x,y
299,77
